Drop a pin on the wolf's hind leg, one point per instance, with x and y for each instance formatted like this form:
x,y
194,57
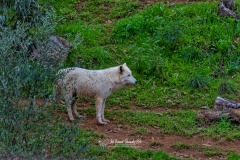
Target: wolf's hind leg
x,y
68,100
70,115
74,107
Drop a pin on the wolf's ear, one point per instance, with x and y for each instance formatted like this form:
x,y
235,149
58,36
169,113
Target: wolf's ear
x,y
124,64
121,69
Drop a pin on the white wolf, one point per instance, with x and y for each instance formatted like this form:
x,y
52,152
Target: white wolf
x,y
100,84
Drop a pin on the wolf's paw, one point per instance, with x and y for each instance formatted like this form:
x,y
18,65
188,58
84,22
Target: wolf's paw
x,y
80,116
102,123
71,119
105,120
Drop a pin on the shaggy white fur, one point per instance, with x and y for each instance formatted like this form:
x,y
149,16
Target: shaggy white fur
x,y
100,84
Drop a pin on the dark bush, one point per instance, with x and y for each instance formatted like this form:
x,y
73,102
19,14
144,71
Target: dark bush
x,y
25,87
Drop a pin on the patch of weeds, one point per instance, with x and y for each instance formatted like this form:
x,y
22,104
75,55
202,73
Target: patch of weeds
x,y
181,145
191,53
212,152
233,66
156,144
227,87
233,156
199,81
120,153
142,131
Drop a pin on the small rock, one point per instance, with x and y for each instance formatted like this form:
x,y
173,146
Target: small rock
x,y
156,127
204,107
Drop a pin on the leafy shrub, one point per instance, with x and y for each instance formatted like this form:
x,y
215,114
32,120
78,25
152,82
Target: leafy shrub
x,y
25,87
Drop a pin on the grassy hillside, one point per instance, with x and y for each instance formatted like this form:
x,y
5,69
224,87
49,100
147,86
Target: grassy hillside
x,y
182,55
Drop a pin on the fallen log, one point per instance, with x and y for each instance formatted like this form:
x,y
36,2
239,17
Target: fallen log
x,y
210,116
223,108
223,104
235,114
225,8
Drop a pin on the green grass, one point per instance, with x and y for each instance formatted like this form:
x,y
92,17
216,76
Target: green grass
x,y
224,128
130,154
179,122
233,156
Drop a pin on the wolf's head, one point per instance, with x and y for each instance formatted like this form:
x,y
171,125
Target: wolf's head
x,y
126,75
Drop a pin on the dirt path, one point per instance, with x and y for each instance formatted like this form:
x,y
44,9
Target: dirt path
x,y
195,147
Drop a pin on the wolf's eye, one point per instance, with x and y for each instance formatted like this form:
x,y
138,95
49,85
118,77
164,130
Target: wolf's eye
x,y
129,75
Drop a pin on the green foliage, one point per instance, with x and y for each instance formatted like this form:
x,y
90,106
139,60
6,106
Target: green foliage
x,y
29,12
21,76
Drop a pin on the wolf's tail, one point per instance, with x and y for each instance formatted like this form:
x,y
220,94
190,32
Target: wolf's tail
x,y
57,92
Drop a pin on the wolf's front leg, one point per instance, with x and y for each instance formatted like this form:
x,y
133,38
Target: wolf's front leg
x,y
102,114
99,104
